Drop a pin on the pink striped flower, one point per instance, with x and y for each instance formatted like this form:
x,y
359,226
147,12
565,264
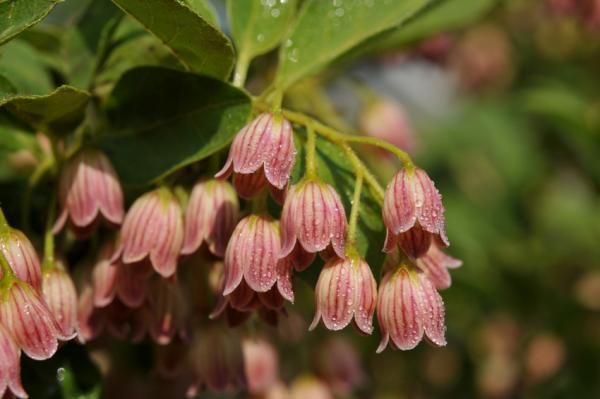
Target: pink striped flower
x,y
90,320
104,276
413,213
88,187
435,264
10,368
265,146
153,228
260,364
28,319
409,307
346,290
313,215
21,256
212,213
61,297
251,254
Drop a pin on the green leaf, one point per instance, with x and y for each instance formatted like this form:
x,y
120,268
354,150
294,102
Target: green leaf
x,y
258,26
326,29
442,16
7,89
20,62
204,9
169,119
336,169
56,113
195,42
18,15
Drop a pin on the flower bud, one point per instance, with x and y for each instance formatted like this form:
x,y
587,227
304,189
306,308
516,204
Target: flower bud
x,y
314,215
217,358
21,256
212,213
10,368
413,213
387,120
435,264
260,364
266,145
346,289
251,254
153,228
61,297
409,306
104,276
27,318
88,186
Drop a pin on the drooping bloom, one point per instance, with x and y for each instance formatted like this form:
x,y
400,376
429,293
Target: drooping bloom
x,y
167,311
212,213
385,119
21,256
91,320
217,359
413,213
28,319
435,264
104,276
252,254
133,283
313,215
409,307
346,290
265,146
61,297
261,365
10,368
153,227
88,187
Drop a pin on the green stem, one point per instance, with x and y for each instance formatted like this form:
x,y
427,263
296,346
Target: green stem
x,y
32,182
311,167
352,225
241,70
3,222
48,262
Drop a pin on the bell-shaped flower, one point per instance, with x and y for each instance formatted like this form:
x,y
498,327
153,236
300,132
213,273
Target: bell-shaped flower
x,y
167,311
88,187
413,213
409,307
90,319
26,316
21,256
212,212
435,264
61,297
265,149
10,368
104,276
261,365
153,228
252,254
133,283
313,215
346,290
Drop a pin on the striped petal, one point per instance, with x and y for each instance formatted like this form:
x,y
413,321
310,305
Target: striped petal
x,y
22,257
234,254
260,253
366,296
336,298
10,368
432,312
61,297
280,160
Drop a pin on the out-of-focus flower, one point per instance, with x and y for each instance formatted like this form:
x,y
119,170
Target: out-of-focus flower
x,y
413,213
544,356
409,307
61,297
26,316
90,320
170,360
314,215
261,365
153,228
338,364
217,359
587,290
252,255
346,290
309,387
265,146
10,368
435,264
104,276
387,120
88,187
167,311
211,215
133,283
21,255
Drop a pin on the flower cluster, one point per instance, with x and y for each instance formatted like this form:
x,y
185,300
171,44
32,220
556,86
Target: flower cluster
x,y
137,287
